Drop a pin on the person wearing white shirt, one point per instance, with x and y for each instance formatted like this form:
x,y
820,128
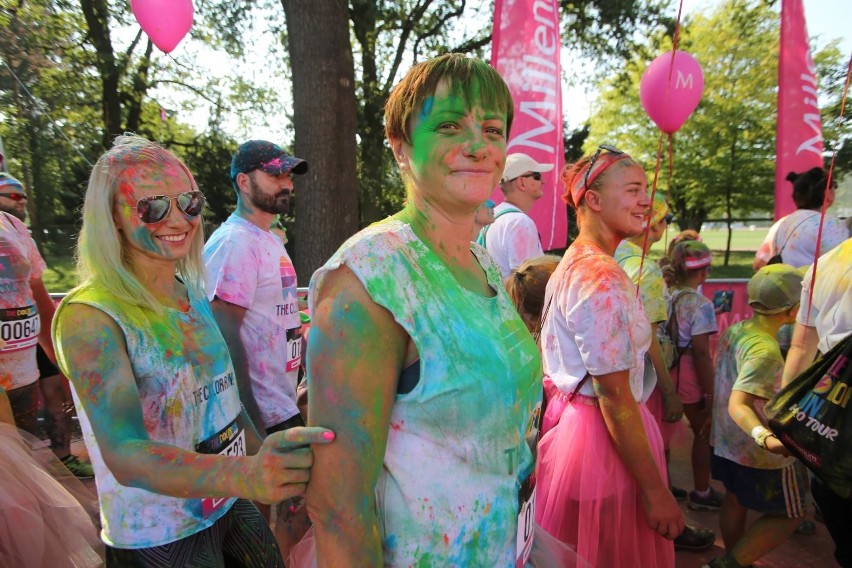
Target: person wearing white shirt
x,y
513,237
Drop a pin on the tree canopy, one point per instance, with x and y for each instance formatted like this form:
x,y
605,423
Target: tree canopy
x,y
724,156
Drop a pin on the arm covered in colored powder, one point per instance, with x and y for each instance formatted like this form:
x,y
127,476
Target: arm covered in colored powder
x,y
355,356
803,351
230,319
741,409
673,407
624,422
94,355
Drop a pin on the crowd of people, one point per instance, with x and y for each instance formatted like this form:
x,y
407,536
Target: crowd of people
x,y
470,401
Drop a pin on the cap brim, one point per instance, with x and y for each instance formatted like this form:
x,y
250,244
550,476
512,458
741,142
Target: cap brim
x,y
542,168
285,165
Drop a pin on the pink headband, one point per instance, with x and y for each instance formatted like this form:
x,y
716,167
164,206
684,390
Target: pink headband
x,y
592,171
697,262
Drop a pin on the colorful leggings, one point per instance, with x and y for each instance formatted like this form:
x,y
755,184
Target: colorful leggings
x,y
240,539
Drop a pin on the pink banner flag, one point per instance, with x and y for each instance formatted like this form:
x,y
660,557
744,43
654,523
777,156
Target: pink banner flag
x,y
525,51
799,130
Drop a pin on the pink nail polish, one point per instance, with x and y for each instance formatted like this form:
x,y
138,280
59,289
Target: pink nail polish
x,y
328,436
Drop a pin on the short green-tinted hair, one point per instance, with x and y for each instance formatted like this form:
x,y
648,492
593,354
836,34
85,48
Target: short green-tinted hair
x,y
475,79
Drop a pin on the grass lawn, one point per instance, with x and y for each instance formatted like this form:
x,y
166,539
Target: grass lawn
x,y
61,274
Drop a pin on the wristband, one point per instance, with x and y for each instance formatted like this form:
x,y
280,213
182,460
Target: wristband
x,y
760,433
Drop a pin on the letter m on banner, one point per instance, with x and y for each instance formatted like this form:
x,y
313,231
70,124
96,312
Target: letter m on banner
x,y
799,130
525,51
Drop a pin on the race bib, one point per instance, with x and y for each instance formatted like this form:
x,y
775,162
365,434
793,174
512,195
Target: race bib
x,y
294,349
19,328
230,441
526,521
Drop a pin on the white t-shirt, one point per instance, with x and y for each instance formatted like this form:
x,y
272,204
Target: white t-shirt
x,y
20,325
512,238
448,490
250,268
695,315
831,312
795,235
596,324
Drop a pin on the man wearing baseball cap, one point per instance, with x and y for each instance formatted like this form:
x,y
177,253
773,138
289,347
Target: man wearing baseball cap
x,y
513,237
251,285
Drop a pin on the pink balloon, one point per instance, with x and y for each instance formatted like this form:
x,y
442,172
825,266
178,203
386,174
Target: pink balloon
x,y
669,110
165,21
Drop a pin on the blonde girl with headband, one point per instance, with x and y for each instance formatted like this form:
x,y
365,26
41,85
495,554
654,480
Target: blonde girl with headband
x,y
693,372
602,484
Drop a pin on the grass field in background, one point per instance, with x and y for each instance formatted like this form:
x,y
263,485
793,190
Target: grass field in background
x,y
60,275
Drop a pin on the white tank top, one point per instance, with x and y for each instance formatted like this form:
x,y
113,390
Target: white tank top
x,y
189,399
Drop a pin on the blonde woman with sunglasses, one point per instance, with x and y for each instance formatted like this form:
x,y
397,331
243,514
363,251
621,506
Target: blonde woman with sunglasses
x,y
175,455
602,484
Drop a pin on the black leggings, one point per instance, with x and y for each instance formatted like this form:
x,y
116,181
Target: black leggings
x,y
240,539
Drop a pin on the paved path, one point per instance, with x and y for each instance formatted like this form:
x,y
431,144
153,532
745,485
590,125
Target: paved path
x,y
815,551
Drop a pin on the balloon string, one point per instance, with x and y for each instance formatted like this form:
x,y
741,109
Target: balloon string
x,y
650,213
659,151
824,197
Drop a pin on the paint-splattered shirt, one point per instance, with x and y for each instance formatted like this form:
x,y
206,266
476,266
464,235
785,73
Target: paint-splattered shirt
x,y
512,238
20,262
652,287
747,360
695,314
831,311
794,237
596,323
250,268
188,397
448,491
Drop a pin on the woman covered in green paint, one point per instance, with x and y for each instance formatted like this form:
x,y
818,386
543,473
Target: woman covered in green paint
x,y
153,382
418,359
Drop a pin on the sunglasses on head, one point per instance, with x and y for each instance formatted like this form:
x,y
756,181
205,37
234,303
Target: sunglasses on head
x,y
535,175
154,209
595,156
14,196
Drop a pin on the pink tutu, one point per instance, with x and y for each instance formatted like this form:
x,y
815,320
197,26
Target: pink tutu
x,y
41,523
585,497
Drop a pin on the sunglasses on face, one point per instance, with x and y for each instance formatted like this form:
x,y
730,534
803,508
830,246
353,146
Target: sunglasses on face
x,y
154,209
595,156
535,175
14,196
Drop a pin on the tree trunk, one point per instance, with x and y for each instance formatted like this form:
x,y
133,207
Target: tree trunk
x,y
97,21
324,121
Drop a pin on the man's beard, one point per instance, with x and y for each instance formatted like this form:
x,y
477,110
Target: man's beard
x,y
269,203
20,213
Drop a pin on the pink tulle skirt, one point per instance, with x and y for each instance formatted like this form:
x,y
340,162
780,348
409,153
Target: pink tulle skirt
x,y
41,523
585,497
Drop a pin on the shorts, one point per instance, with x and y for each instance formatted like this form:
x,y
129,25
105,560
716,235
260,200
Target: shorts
x,y
686,380
292,422
775,492
46,368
